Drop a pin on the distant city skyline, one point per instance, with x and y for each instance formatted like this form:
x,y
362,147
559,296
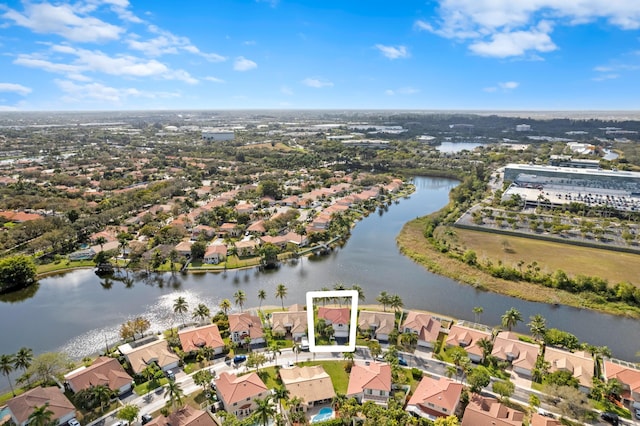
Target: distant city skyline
x,y
278,54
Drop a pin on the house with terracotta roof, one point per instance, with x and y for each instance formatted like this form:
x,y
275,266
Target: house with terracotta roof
x,y
19,217
468,339
424,325
311,384
185,416
521,355
540,420
378,324
229,229
292,323
370,381
215,253
205,230
257,228
628,376
155,352
483,411
435,397
245,325
192,339
238,394
247,247
580,364
338,318
104,371
184,248
21,406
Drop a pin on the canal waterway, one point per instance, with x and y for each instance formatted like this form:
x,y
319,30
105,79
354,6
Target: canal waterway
x,y
80,313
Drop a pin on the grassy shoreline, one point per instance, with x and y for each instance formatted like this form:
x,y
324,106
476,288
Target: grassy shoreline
x,y
412,244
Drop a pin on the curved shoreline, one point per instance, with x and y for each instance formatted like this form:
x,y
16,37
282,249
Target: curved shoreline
x,y
412,244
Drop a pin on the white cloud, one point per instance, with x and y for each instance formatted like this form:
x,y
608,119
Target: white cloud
x,y
15,88
99,62
99,92
605,77
316,83
244,64
214,79
63,20
393,52
402,91
505,86
516,43
509,85
286,91
504,28
168,43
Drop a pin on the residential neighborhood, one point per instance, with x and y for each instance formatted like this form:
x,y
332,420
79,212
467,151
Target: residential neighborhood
x,y
250,365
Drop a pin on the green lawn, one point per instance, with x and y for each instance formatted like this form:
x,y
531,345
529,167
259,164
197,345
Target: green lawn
x,y
64,264
147,387
335,369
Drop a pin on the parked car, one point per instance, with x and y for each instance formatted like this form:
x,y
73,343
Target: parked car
x,y
637,413
610,418
239,358
73,422
146,418
304,344
402,361
171,375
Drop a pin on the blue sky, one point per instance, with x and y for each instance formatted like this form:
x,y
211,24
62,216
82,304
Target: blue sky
x,y
246,54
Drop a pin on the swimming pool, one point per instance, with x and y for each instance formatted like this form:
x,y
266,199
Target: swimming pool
x,y
325,413
4,411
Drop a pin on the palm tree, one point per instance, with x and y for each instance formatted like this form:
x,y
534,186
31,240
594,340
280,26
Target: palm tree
x,y
360,291
279,394
264,410
477,311
41,416
397,304
102,394
274,349
538,326
511,318
487,347
225,305
180,307
240,297
6,367
201,311
281,292
101,241
296,348
175,393
262,295
23,359
383,299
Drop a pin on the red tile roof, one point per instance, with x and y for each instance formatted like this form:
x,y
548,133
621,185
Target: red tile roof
x,y
195,338
104,371
335,315
442,393
234,389
376,376
23,405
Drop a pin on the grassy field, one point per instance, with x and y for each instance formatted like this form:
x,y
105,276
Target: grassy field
x,y
413,245
574,260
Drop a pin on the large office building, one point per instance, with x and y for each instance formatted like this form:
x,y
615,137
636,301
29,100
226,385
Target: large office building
x,y
564,185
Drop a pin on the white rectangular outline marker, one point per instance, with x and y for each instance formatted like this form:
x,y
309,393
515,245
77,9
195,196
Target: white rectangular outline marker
x,y
353,322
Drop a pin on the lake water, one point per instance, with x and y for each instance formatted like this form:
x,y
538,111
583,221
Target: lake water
x,y
81,313
452,147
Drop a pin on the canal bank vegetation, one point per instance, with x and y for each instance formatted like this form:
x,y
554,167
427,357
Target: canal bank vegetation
x,y
433,242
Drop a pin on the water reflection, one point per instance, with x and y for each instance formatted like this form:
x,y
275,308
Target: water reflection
x,y
74,308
